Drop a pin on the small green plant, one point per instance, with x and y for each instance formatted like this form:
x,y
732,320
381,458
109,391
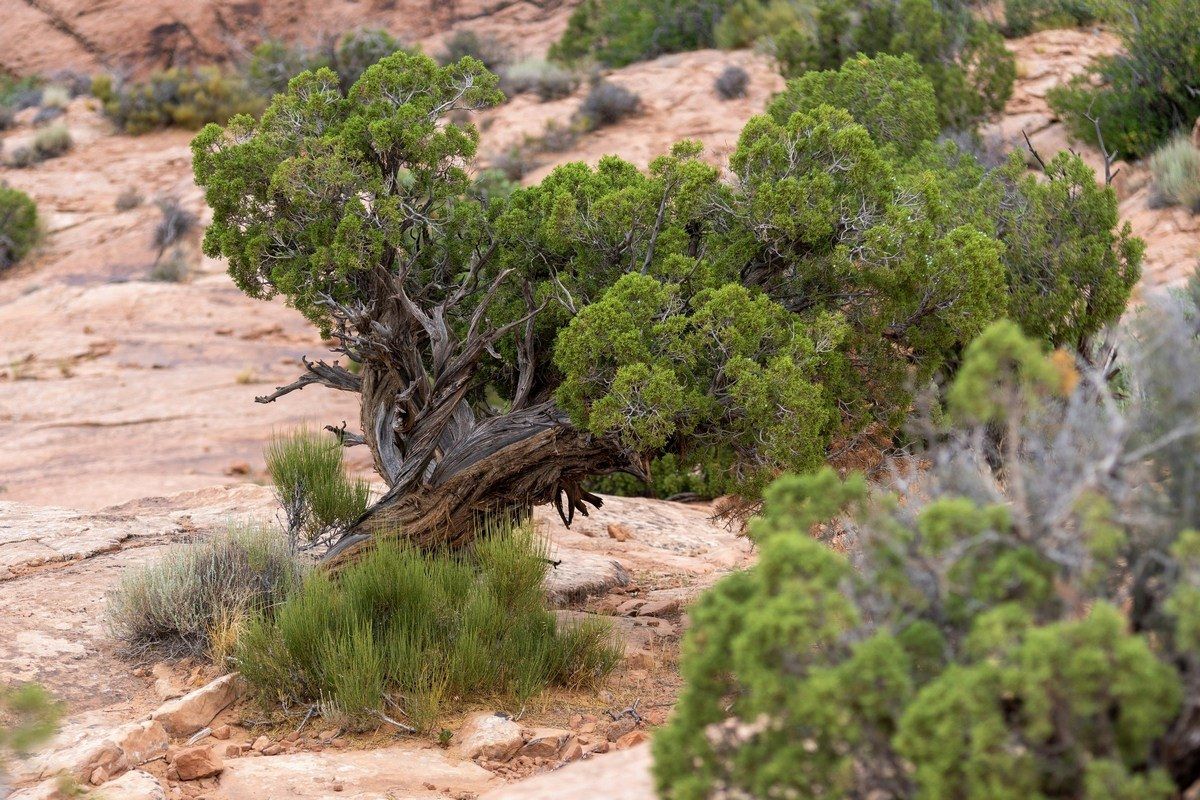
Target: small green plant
x,y
732,82
172,269
28,717
607,104
1176,170
401,630
55,96
18,225
200,593
358,50
310,479
547,79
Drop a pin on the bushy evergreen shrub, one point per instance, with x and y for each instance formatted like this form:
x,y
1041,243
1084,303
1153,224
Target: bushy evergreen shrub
x,y
620,32
18,225
1017,619
607,104
409,630
1145,93
488,50
731,83
196,598
1026,16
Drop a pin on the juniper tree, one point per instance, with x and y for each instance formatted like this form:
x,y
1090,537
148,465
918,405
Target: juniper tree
x,y
510,349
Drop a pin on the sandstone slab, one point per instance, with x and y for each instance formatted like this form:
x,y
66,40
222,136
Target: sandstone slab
x,y
133,785
624,775
200,761
192,712
490,736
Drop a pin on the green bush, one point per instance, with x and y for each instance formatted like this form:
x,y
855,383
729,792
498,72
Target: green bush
x,y
620,32
311,482
28,717
750,23
197,597
189,98
18,225
1017,623
406,630
671,477
1176,170
607,104
274,62
731,83
358,50
47,143
1145,93
488,50
1026,16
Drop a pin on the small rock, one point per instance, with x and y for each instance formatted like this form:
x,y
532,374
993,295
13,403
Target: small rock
x,y
659,608
544,743
601,747
232,750
489,736
260,744
272,749
620,727
640,659
329,734
619,531
339,743
572,752
99,775
221,732
134,785
294,736
197,762
576,720
192,712
337,787
238,468
630,607
630,739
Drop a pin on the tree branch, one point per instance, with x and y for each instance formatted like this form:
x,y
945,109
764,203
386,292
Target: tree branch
x,y
331,375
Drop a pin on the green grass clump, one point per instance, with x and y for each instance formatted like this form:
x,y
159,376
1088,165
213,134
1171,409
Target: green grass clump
x,y
196,598
18,225
402,630
1176,170
310,479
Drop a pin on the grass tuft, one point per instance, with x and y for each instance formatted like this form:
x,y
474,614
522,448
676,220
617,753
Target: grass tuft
x,y
1176,170
316,494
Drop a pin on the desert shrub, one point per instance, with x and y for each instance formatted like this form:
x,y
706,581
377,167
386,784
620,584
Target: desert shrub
x,y
51,142
1145,93
965,59
515,163
755,23
619,32
1019,621
547,79
275,62
174,224
47,114
18,225
487,49
607,104
189,98
7,116
55,96
23,156
200,593
20,93
1176,170
405,629
492,184
172,269
731,83
888,95
312,485
29,717
129,198
1026,16
671,478
358,50
557,137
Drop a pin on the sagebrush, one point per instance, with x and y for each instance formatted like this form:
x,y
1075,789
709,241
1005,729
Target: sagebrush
x,y
1175,168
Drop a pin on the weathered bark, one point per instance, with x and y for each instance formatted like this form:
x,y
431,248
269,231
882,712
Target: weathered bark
x,y
505,464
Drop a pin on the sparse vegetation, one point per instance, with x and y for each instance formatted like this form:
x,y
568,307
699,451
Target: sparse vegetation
x,y
1138,98
316,494
488,50
174,224
129,198
54,96
547,79
172,269
606,104
47,143
28,717
1026,16
732,82
1021,619
620,32
273,63
18,226
401,632
1176,170
358,50
200,594
179,96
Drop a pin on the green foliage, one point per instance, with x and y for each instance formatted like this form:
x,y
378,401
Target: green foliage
x,y
273,63
547,79
1026,16
485,49
889,95
670,476
357,51
1176,170
971,71
28,717
750,23
189,98
995,637
310,479
18,225
404,629
1145,93
199,594
620,32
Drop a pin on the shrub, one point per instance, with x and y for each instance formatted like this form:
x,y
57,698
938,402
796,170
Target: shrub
x,y
493,184
619,32
671,479
311,483
731,83
173,269
18,225
358,50
55,96
557,138
1002,633
550,81
1026,16
1141,95
7,115
1176,170
487,49
607,104
198,593
51,142
189,98
47,114
175,223
404,629
274,62
758,23
129,198
28,717
514,163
